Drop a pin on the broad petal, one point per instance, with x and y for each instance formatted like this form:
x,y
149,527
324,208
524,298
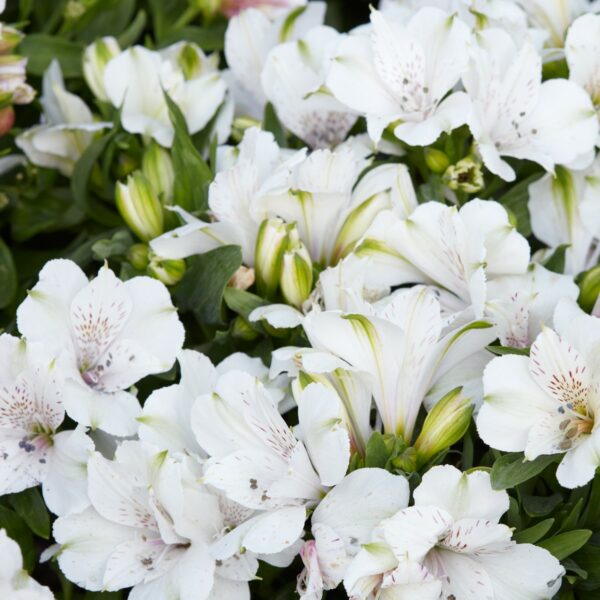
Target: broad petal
x,y
582,50
579,465
23,461
462,495
462,576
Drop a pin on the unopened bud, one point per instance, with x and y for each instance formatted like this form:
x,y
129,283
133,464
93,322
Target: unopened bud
x,y
138,256
12,80
465,176
157,166
296,279
436,160
242,330
239,126
242,279
191,61
95,58
169,271
10,38
268,257
446,424
407,461
139,207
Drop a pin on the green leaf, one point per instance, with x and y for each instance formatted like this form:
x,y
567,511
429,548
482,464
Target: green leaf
x,y
40,49
556,262
80,180
515,201
272,123
377,453
18,530
132,33
565,544
572,519
105,17
116,245
242,302
192,174
201,290
541,506
30,506
8,276
504,350
588,558
589,288
512,469
534,534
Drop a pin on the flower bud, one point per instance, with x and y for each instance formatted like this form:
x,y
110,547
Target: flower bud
x,y
242,330
446,423
95,58
239,126
169,271
242,279
10,38
465,176
138,256
270,246
139,207
12,80
157,166
589,289
296,279
436,160
191,61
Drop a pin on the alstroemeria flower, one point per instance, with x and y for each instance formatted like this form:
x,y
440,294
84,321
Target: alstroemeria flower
x,y
15,582
565,209
293,80
402,75
515,114
404,347
582,49
521,304
456,250
109,335
450,544
165,419
258,167
67,128
256,460
135,82
549,403
249,38
343,522
31,410
151,526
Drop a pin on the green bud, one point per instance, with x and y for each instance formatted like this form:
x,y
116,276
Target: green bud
x,y
589,286
436,160
268,257
465,176
157,166
242,330
169,271
125,165
95,58
10,38
240,124
191,61
138,256
139,207
446,423
296,279
407,461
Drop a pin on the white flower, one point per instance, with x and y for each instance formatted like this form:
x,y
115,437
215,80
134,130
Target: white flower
x,y
15,583
401,75
150,527
165,419
521,304
269,7
403,347
249,38
135,81
515,114
67,129
450,544
457,250
548,403
343,522
565,209
255,459
109,335
31,410
293,79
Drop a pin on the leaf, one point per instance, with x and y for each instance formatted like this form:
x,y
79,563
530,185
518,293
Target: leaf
x,y
377,453
572,519
80,180
18,531
242,302
40,49
515,201
192,174
30,506
504,350
272,123
201,289
8,276
103,17
588,558
132,33
589,288
116,245
556,262
533,534
565,544
512,469
541,506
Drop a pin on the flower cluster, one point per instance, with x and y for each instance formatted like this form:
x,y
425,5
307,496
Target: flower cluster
x,y
344,321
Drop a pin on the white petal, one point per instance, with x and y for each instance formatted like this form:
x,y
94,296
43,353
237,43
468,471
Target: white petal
x,y
579,465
